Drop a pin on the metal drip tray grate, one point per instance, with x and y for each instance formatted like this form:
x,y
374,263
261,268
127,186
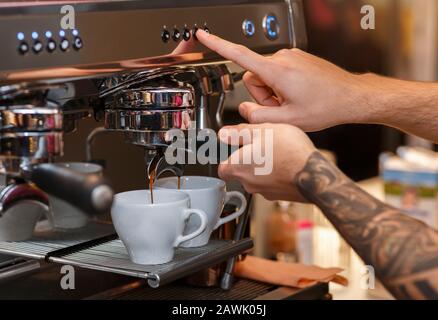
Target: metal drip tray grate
x,y
46,242
97,247
113,257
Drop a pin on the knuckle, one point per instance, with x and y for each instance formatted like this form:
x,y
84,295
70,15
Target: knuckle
x,y
224,171
296,51
247,76
282,52
249,188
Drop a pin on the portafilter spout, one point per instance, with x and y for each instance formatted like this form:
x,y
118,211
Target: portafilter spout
x,y
157,164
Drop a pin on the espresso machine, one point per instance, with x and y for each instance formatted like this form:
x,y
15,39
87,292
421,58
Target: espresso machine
x,y
131,69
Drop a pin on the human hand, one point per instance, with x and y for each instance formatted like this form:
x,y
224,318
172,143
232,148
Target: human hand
x,y
295,87
270,157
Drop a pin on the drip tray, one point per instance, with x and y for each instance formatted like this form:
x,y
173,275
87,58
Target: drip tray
x,y
45,242
112,256
97,247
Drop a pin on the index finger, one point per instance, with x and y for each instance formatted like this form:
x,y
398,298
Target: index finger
x,y
239,54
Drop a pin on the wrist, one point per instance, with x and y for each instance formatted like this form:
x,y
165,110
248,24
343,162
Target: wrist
x,y
372,98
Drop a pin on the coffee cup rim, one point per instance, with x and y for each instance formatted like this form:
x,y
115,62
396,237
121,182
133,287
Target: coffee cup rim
x,y
183,198
221,183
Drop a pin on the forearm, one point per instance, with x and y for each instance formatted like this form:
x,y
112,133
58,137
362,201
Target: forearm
x,y
402,250
406,105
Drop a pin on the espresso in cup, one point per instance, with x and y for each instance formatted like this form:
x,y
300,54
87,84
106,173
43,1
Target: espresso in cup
x,y
152,231
208,194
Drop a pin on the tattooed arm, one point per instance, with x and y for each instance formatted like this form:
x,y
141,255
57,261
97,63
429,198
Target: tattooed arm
x,y
403,251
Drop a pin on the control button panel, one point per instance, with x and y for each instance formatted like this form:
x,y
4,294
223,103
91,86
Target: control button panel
x,y
185,33
38,43
271,27
248,28
269,23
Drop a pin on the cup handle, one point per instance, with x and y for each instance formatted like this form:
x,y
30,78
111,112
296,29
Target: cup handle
x,y
238,213
186,215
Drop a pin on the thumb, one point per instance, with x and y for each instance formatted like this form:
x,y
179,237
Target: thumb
x,y
256,113
246,109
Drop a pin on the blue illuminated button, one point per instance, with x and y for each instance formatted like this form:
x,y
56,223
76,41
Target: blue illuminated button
x,y
271,26
248,28
20,36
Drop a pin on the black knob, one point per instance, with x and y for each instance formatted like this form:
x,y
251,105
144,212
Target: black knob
x,y
195,29
51,45
37,46
64,44
186,34
176,35
77,43
23,47
165,35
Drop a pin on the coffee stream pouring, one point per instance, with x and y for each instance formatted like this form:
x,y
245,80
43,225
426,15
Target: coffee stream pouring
x,y
157,166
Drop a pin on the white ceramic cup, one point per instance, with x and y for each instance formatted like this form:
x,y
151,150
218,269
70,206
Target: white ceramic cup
x,y
208,194
63,215
152,231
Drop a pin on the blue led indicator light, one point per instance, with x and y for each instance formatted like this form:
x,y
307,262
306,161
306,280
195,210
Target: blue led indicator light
x,y
62,33
34,35
20,36
249,28
48,34
75,32
272,32
271,27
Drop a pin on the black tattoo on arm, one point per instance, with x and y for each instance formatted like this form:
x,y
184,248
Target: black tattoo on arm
x,y
402,250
